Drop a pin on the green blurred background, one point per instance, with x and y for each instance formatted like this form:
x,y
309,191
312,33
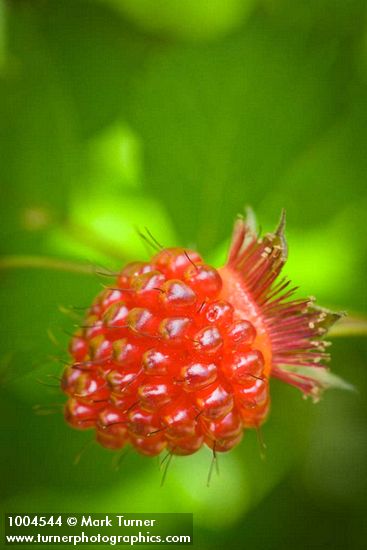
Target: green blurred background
x,y
174,114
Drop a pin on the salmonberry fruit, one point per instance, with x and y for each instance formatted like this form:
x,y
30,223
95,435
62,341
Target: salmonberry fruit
x,y
177,354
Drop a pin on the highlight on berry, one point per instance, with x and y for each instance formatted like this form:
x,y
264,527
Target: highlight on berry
x,y
176,354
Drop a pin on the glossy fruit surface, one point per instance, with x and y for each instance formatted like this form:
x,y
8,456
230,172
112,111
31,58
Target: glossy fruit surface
x,y
177,354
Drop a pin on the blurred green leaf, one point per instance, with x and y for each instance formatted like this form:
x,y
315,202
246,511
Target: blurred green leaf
x,y
3,37
38,141
222,132
189,20
97,57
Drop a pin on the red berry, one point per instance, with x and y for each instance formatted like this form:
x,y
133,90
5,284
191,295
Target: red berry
x,y
214,401
156,392
142,322
228,427
78,347
124,381
239,366
220,313
177,296
147,287
198,375
173,262
224,445
111,428
252,393
204,280
240,332
208,341
158,362
175,330
177,354
186,445
141,422
126,352
85,384
82,414
149,445
179,420
110,297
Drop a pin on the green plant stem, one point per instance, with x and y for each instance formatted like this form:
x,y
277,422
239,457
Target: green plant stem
x,y
44,262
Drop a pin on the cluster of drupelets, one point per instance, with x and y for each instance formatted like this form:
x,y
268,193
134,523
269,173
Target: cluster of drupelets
x,y
163,362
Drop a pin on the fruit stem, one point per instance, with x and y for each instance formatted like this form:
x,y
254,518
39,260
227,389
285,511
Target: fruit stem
x,y
44,262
